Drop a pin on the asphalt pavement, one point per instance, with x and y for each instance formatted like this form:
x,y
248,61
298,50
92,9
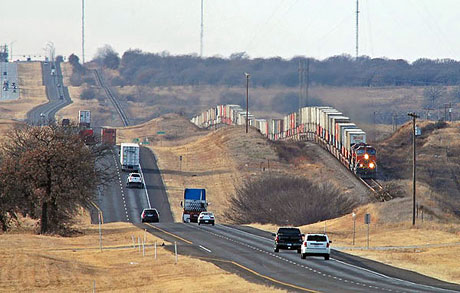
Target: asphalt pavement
x,y
250,254
56,92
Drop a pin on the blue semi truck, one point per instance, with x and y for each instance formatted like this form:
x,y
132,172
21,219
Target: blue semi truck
x,y
193,204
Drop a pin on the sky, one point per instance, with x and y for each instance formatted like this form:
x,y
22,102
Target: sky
x,y
395,29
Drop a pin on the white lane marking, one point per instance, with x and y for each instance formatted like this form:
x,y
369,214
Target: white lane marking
x,y
204,248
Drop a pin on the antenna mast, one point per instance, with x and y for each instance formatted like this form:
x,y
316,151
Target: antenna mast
x,y
201,34
357,27
82,31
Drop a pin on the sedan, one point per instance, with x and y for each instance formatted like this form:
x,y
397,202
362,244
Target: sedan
x,y
206,218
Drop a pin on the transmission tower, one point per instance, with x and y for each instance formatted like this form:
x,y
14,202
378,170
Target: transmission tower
x,y
357,27
82,31
201,34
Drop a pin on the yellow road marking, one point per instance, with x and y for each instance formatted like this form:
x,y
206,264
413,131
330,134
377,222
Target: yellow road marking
x,y
171,234
100,211
260,275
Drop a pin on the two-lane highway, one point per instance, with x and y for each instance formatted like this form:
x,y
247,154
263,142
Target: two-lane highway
x,y
57,93
251,253
121,204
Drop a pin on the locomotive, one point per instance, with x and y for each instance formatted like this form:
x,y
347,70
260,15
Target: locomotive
x,y
325,125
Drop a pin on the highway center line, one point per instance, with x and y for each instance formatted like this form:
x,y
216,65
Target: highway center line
x,y
258,274
169,233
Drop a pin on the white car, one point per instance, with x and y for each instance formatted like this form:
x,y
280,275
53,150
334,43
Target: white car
x,y
316,245
134,179
206,218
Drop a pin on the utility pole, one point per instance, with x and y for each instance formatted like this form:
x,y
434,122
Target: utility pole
x,y
82,32
301,69
357,27
307,81
247,100
414,116
201,34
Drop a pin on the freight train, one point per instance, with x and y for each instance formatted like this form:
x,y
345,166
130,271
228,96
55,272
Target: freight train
x,y
325,125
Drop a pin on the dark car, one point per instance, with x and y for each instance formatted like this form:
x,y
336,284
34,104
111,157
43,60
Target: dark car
x,y
288,238
150,215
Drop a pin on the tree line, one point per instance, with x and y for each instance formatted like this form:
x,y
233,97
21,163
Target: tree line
x,y
47,174
162,69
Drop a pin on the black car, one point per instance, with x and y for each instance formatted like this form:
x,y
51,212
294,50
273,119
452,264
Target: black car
x,y
288,238
150,215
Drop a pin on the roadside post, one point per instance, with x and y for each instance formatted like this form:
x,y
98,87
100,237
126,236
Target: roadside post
x,y
161,133
367,220
100,231
175,250
354,226
180,163
134,243
139,243
155,249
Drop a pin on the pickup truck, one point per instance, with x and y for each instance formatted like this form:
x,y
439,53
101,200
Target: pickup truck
x,y
288,238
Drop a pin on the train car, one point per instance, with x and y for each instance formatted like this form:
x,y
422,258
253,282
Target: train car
x,y
326,125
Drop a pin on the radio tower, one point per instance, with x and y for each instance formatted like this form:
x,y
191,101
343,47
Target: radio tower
x,y
82,31
357,27
201,34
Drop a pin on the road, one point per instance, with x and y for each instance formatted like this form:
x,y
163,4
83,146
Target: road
x,y
121,204
56,92
250,254
9,80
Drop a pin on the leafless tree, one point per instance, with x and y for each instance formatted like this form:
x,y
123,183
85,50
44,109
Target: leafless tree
x,y
48,173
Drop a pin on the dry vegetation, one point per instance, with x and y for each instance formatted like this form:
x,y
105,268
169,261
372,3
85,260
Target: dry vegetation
x,y
32,92
74,264
102,111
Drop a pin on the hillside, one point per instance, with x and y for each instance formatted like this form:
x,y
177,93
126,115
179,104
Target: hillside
x,y
438,163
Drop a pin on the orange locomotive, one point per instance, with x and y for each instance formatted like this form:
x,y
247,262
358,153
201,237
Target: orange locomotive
x,y
364,160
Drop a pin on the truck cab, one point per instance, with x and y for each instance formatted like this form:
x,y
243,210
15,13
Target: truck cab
x,y
193,204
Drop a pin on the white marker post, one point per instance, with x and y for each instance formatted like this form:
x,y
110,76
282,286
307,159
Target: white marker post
x,y
155,250
143,248
139,243
175,250
134,243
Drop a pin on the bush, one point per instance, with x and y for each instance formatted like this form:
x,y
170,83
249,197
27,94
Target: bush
x,y
88,94
286,201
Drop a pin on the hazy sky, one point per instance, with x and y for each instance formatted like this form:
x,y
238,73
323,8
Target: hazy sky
x,y
408,29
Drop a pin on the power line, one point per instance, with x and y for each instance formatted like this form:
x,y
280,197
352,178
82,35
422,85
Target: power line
x,y
357,27
201,33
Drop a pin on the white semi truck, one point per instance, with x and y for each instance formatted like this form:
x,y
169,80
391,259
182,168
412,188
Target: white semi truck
x,y
129,157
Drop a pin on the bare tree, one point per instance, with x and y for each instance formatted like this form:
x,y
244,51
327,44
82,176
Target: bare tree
x,y
432,94
48,173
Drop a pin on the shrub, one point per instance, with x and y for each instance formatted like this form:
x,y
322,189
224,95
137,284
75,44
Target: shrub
x,y
88,94
286,201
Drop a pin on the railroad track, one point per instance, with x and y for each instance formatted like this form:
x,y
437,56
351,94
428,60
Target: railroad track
x,y
110,95
377,188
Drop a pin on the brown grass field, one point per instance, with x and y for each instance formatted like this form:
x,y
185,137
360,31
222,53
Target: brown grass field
x,y
35,263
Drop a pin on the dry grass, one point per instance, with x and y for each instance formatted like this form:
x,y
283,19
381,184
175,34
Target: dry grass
x,y
32,92
37,263
101,109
